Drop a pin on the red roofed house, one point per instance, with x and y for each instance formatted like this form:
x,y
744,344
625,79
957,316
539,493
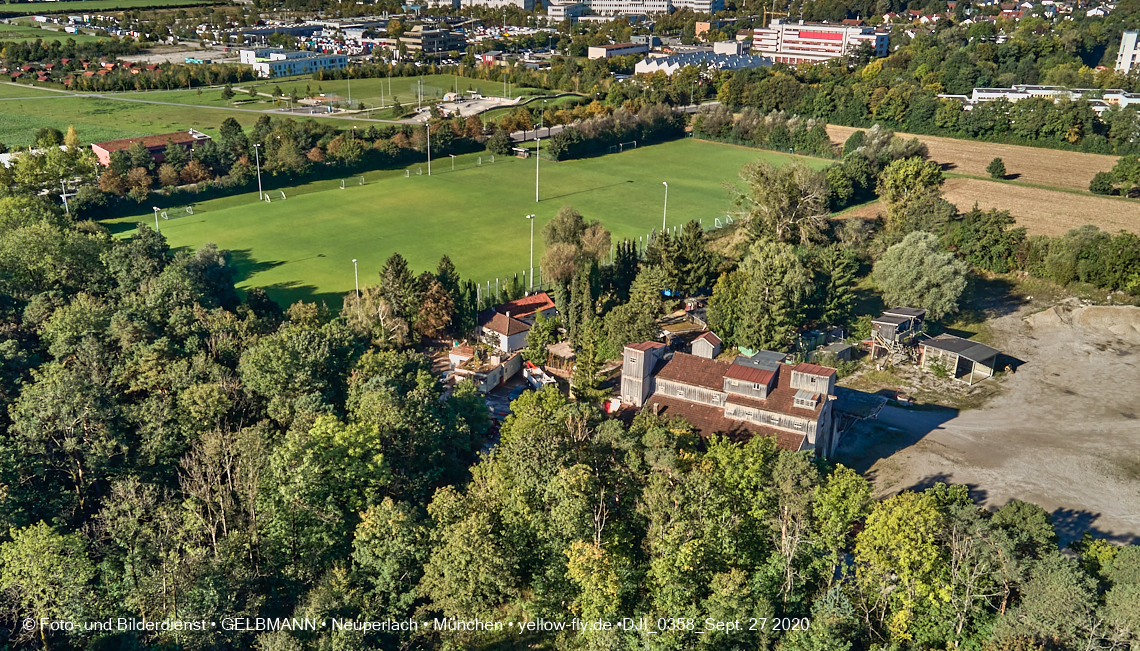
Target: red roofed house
x,y
511,321
156,144
758,395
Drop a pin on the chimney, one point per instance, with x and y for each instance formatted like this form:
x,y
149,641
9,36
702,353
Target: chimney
x,y
508,314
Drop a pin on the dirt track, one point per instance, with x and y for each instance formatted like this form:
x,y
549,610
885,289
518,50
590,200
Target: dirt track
x,y
1062,169
1064,434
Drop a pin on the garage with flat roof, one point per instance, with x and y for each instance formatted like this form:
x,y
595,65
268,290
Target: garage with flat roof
x,y
966,360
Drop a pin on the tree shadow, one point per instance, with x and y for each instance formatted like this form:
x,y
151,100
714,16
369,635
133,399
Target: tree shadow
x,y
894,428
946,167
1011,177
1071,524
290,292
977,494
247,266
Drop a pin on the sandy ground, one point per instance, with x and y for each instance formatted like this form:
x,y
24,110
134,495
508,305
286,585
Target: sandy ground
x,y
1064,433
179,53
1062,169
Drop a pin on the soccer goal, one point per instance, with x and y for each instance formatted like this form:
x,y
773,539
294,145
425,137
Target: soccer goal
x,y
282,195
356,180
267,199
407,173
175,213
612,150
627,145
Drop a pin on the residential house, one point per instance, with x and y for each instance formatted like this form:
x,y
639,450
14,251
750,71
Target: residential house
x,y
511,321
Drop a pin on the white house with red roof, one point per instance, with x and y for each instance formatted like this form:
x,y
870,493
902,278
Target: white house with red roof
x,y
511,321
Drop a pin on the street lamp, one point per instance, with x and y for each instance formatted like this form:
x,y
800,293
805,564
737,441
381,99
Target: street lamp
x,y
531,218
156,228
257,157
665,213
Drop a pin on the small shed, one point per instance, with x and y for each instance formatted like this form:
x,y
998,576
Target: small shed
x,y
707,345
841,351
966,360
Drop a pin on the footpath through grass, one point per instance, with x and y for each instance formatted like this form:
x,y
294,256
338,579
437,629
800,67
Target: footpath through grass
x,y
303,247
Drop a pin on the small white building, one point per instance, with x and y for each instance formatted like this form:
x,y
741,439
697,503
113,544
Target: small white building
x,y
511,332
707,346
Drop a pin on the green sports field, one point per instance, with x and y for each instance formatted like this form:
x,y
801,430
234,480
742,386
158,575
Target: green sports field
x,y
303,247
12,32
97,119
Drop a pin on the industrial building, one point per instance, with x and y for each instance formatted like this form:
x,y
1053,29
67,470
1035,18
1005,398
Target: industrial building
x,y
750,396
713,61
156,144
617,50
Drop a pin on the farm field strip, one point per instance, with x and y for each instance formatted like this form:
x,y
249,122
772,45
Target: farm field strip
x,y
1039,166
1045,212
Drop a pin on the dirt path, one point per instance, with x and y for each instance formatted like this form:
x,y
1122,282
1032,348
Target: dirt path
x,y
1062,169
1065,433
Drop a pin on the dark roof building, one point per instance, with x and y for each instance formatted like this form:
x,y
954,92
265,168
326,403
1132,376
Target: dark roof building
x,y
747,397
962,359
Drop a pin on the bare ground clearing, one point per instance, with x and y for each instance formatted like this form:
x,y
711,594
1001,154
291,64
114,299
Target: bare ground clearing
x,y
1064,433
1062,169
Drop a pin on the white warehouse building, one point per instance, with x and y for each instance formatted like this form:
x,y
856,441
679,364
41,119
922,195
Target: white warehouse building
x,y
279,62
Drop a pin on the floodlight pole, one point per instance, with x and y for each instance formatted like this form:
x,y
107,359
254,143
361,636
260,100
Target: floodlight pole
x,y
531,219
537,149
452,162
356,274
156,228
665,212
428,127
257,157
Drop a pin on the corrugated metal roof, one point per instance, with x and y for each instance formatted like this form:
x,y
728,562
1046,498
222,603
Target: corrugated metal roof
x,y
971,350
814,369
749,374
646,345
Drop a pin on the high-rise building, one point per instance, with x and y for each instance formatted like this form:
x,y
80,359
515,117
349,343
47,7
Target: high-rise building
x,y
1129,55
793,43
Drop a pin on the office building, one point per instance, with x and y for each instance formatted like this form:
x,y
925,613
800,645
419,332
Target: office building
x,y
279,62
617,50
1129,55
793,43
433,42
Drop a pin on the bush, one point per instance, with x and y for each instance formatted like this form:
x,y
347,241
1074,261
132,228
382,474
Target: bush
x,y
500,143
1102,184
996,169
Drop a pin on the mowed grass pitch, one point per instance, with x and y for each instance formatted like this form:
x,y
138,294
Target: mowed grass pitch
x,y
303,247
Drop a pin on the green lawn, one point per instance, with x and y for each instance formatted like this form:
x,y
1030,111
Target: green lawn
x,y
30,33
98,120
303,247
94,6
10,90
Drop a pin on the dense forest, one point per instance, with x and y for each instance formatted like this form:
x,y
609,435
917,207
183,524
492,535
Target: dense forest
x,y
172,451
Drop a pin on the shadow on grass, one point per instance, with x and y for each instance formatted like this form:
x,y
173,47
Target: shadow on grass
x,y
585,190
288,293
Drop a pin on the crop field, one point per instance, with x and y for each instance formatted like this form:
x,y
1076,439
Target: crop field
x,y
89,6
1068,170
302,247
11,32
98,119
1045,212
